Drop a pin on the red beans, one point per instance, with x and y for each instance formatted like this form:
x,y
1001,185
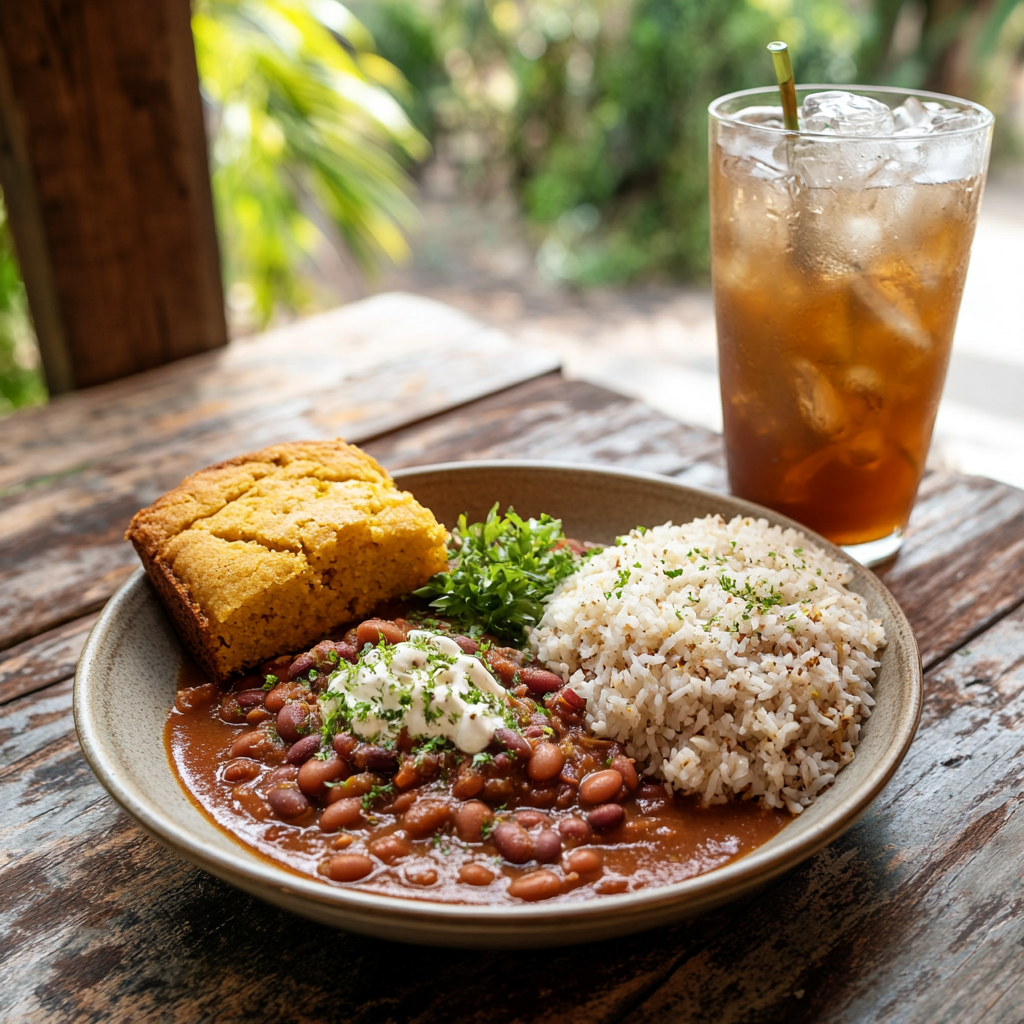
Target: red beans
x,y
606,817
467,785
468,644
504,663
315,773
475,874
328,653
528,818
356,785
287,803
425,817
546,762
390,848
303,663
470,819
293,721
344,813
420,874
344,743
653,798
540,680
572,699
513,843
242,769
537,885
599,787
302,750
547,847
348,867
510,740
253,743
372,631
624,766
250,699
283,692
575,829
584,862
403,802
286,773
497,790
377,759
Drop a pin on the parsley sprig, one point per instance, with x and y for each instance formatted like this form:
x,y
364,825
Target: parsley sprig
x,y
500,571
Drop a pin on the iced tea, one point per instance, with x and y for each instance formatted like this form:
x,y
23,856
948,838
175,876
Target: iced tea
x,y
838,263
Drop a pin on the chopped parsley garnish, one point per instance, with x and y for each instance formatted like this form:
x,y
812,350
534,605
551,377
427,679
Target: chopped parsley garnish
x,y
376,792
500,571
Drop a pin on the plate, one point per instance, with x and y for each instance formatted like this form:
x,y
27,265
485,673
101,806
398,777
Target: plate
x,y
127,678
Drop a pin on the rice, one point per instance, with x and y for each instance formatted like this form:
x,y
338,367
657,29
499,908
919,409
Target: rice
x,y
729,657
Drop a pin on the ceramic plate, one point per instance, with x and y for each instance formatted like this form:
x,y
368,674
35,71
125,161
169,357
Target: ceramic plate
x,y
133,656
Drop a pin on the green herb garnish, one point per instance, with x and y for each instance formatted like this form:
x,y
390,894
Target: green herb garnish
x,y
500,571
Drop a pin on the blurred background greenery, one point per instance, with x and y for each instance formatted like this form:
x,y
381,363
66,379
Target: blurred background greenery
x,y
322,117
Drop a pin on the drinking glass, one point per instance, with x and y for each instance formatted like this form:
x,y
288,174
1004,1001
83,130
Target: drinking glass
x,y
838,262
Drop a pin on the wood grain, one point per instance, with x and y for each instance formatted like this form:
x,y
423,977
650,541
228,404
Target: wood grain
x,y
961,565
67,503
45,659
105,95
913,915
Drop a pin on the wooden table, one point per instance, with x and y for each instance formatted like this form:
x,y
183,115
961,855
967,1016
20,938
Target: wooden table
x,y
916,913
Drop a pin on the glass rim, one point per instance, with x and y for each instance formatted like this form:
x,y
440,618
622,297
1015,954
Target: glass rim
x,y
988,118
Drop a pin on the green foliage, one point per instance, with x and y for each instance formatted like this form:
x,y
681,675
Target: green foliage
x,y
304,119
500,572
600,105
953,46
21,381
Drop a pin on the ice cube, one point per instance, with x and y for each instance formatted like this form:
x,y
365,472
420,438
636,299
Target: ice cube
x,y
842,113
916,118
911,117
817,399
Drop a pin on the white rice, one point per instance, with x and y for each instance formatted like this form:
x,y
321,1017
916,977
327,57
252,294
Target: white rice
x,y
745,674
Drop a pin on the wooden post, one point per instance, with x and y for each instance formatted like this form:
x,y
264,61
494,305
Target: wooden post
x,y
104,170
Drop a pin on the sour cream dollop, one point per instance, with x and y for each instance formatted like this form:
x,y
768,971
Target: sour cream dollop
x,y
427,685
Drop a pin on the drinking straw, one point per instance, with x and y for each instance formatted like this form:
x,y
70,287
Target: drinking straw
x,y
787,86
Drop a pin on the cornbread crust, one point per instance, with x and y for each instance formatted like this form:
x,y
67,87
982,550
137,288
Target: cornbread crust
x,y
268,552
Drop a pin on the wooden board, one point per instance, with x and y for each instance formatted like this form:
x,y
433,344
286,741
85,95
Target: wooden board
x,y
927,886
73,475
962,561
112,210
915,914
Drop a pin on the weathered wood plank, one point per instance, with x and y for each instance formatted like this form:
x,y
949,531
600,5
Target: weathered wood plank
x,y
105,97
88,883
555,419
245,383
913,915
961,565
62,552
43,660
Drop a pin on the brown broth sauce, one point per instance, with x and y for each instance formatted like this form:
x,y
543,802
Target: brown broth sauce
x,y
680,841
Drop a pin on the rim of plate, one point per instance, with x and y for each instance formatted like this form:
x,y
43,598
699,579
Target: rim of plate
x,y
755,867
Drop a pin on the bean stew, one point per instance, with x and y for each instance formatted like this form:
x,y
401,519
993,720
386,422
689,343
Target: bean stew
x,y
545,811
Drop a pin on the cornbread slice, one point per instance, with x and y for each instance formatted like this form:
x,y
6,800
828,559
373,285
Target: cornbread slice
x,y
267,552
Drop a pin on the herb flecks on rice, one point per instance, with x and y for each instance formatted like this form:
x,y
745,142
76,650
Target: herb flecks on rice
x,y
729,656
